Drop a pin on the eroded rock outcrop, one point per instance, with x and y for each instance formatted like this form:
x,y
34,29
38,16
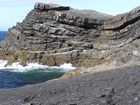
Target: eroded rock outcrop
x,y
53,34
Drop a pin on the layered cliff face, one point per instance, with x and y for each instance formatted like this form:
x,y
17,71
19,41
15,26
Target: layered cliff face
x,y
53,34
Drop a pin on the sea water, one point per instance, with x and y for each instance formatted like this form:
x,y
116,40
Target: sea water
x,y
16,75
2,35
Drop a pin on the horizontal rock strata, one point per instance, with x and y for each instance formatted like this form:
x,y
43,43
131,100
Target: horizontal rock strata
x,y
52,35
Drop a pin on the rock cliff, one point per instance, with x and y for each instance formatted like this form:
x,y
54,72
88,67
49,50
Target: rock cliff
x,y
52,35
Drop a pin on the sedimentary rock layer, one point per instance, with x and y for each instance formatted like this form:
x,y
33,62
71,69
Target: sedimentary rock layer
x,y
53,34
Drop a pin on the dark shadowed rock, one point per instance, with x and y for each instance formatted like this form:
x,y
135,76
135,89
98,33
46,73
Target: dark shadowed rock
x,y
46,7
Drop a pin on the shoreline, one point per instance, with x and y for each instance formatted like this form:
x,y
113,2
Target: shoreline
x,y
110,87
17,75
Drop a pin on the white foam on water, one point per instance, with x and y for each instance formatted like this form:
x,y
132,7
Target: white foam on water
x,y
17,67
65,67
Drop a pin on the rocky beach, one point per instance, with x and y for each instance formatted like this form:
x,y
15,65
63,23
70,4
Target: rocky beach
x,y
114,87
104,49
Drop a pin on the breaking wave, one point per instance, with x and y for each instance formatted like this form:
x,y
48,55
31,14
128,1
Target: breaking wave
x,y
17,75
17,67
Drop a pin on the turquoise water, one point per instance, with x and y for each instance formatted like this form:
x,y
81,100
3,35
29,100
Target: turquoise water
x,y
9,79
17,77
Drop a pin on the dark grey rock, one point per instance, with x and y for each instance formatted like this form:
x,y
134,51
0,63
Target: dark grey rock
x,y
105,88
51,6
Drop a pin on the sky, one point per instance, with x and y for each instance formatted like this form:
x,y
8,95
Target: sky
x,y
13,11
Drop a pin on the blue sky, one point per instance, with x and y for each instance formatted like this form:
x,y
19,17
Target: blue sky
x,y
12,11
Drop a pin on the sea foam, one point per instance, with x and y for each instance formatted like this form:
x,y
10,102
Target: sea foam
x,y
17,67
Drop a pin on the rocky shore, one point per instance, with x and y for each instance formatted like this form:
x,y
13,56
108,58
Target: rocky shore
x,y
104,48
114,87
53,35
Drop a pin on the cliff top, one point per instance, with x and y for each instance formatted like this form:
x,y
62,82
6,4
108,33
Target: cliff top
x,y
92,14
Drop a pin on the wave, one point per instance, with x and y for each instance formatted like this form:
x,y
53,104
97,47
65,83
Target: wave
x,y
17,67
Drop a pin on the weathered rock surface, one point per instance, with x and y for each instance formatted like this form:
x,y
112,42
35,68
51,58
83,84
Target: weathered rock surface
x,y
114,87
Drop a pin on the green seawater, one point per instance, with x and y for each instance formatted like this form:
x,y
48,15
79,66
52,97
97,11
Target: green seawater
x,y
37,77
10,79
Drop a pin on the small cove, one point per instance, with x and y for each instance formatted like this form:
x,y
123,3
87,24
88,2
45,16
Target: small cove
x,y
16,75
